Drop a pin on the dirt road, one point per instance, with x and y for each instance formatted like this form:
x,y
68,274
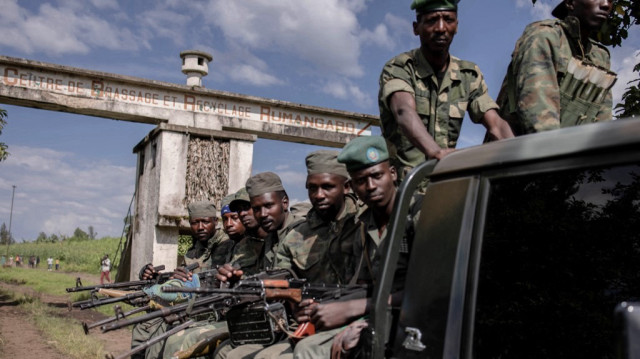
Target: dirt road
x,y
22,339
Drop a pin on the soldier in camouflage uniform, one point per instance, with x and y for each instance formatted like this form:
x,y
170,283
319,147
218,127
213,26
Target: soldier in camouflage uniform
x,y
209,248
424,93
558,75
321,249
270,205
372,179
204,331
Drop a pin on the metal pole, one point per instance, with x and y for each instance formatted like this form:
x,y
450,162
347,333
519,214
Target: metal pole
x,y
13,192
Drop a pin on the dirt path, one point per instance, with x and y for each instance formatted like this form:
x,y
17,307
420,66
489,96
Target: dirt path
x,y
22,339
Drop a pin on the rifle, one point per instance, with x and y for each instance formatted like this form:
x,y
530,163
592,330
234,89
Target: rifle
x,y
253,291
114,295
119,314
152,341
135,284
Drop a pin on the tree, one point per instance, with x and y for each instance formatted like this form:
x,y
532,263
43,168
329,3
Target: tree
x,y
80,235
3,147
92,233
625,14
5,236
53,238
42,238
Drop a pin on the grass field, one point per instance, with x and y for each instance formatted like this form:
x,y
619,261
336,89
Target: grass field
x,y
74,256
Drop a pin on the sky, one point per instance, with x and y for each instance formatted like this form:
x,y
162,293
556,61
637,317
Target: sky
x,y
78,171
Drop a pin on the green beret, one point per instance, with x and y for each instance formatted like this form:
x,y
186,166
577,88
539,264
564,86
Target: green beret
x,y
363,152
265,182
227,200
424,6
325,161
202,209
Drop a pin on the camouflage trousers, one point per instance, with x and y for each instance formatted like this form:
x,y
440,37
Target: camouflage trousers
x,y
317,345
281,349
196,336
142,332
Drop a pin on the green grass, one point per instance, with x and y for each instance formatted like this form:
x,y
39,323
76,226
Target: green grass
x,y
74,256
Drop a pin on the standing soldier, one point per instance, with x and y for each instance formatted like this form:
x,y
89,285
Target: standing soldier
x,y
559,76
424,93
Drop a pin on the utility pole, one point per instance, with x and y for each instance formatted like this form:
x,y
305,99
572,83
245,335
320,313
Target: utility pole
x,y
13,192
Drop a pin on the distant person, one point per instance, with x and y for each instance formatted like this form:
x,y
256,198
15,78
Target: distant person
x,y
559,76
49,264
18,261
57,264
37,261
105,265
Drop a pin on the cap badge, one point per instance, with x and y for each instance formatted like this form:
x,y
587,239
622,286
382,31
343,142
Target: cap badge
x,y
372,154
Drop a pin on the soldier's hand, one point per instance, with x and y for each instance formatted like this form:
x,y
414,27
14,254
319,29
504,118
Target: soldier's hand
x,y
227,273
147,272
182,274
334,314
441,153
304,310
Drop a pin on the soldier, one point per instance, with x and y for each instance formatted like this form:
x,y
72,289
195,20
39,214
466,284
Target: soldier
x,y
231,222
559,76
209,248
270,206
373,181
424,93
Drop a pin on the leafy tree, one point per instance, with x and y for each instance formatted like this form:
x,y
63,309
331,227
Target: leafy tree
x,y
5,236
79,235
625,14
42,238
3,147
92,233
53,238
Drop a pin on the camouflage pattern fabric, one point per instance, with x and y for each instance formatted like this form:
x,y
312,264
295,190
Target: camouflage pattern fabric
x,y
372,243
217,252
441,107
530,97
322,252
185,339
254,255
142,332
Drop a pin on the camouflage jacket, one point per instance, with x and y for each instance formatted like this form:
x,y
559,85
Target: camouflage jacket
x,y
322,252
441,107
254,255
217,252
530,98
372,241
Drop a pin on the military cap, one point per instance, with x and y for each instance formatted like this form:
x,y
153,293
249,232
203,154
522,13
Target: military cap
x,y
424,6
325,161
226,201
265,182
363,152
201,209
240,196
560,11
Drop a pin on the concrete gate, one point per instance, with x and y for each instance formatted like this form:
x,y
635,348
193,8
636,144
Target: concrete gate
x,y
202,147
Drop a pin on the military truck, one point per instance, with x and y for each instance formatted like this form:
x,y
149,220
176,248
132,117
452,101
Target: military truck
x,y
524,249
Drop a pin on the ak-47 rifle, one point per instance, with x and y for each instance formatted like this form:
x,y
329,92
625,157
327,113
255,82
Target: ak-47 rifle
x,y
111,295
131,285
119,315
152,341
254,304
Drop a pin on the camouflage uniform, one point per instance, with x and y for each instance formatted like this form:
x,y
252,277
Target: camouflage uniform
x,y
531,99
441,107
217,252
319,345
322,252
254,255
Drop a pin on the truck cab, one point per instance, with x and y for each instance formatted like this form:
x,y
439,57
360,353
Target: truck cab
x,y
524,249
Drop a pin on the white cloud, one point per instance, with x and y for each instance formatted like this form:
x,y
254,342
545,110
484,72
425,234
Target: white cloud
x,y
344,89
622,62
252,75
57,192
66,29
105,4
322,33
539,11
379,36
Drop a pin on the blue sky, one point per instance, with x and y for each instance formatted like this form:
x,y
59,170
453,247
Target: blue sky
x,y
78,171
